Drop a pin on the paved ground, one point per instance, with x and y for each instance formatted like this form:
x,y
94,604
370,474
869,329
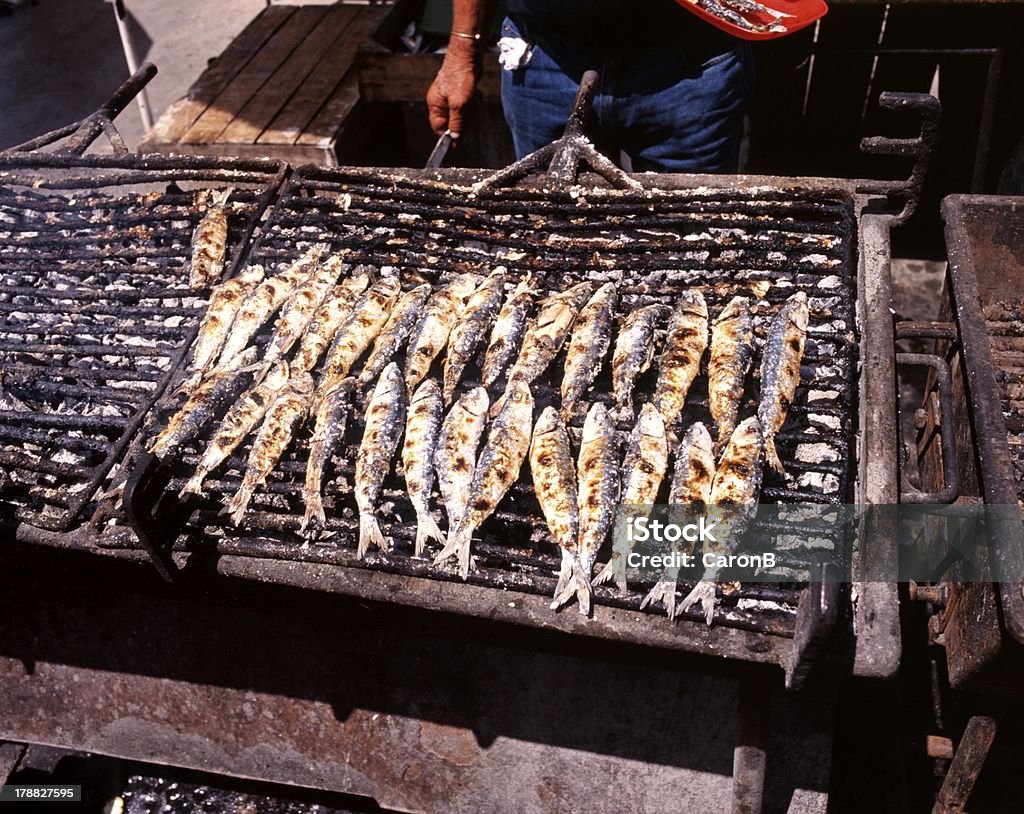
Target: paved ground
x,y
61,59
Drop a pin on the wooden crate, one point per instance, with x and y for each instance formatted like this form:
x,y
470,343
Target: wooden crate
x,y
283,88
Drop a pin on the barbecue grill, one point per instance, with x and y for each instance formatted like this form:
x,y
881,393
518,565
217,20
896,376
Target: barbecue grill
x,y
653,235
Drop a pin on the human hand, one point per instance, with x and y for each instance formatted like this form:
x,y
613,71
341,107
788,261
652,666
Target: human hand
x,y
452,88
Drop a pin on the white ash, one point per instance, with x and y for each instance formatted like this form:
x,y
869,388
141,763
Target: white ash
x,y
816,453
825,482
822,395
760,604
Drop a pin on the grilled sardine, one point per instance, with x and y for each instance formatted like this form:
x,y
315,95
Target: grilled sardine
x,y
243,415
455,458
780,370
264,301
333,311
734,495
732,349
385,417
210,242
642,473
395,331
634,350
471,328
431,333
360,328
508,331
688,501
225,301
421,431
332,413
508,441
283,417
554,483
679,363
591,336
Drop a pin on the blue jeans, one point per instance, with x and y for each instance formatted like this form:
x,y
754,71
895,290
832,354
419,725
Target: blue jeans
x,y
666,110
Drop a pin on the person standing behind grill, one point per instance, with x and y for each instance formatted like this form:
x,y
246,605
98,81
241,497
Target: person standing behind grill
x,y
673,88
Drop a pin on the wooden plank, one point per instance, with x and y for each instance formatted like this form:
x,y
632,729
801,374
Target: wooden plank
x,y
317,88
254,76
183,113
332,115
406,77
289,77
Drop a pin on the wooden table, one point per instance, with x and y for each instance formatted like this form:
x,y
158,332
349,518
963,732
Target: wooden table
x,y
283,88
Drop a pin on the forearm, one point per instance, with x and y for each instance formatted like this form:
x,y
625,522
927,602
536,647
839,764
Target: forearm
x,y
452,88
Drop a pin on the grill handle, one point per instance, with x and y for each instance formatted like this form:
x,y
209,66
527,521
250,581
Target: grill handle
x,y
564,156
144,491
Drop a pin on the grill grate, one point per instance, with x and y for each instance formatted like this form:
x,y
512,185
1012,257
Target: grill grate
x,y
1004,322
655,244
96,309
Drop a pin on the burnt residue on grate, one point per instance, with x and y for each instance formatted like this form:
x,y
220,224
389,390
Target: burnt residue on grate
x,y
1004,322
95,308
762,243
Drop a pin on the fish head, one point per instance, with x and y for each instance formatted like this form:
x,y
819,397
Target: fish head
x,y
650,422
391,379
302,384
747,433
252,274
277,375
476,402
519,398
429,389
733,309
597,424
549,421
699,439
463,285
691,303
799,311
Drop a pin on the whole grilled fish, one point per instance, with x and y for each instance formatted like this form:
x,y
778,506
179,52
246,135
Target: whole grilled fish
x,y
360,328
780,370
333,311
421,431
395,331
283,417
634,350
732,349
431,333
385,417
547,333
210,242
298,310
688,499
642,473
554,483
591,336
734,495
679,363
332,411
237,424
225,301
497,469
471,328
508,331
218,388
455,457
264,301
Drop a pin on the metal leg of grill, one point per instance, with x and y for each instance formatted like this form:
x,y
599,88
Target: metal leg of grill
x,y
751,754
966,766
10,757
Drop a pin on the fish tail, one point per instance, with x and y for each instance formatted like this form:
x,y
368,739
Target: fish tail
x,y
315,516
664,591
703,594
194,485
239,503
772,455
220,197
584,591
369,535
612,570
261,370
427,529
566,587
458,545
189,384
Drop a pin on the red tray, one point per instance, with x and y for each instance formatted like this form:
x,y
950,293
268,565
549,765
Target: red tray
x,y
804,12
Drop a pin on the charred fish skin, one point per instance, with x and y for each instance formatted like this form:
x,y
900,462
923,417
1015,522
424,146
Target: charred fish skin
x,y
220,387
780,371
732,350
332,412
431,333
679,364
275,434
735,492
642,472
395,331
554,483
239,421
508,331
297,312
455,457
634,351
268,296
591,337
326,321
210,243
360,328
469,331
508,442
421,432
225,302
385,418
690,495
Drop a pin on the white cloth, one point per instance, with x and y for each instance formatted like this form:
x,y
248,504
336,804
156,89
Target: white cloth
x,y
513,53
